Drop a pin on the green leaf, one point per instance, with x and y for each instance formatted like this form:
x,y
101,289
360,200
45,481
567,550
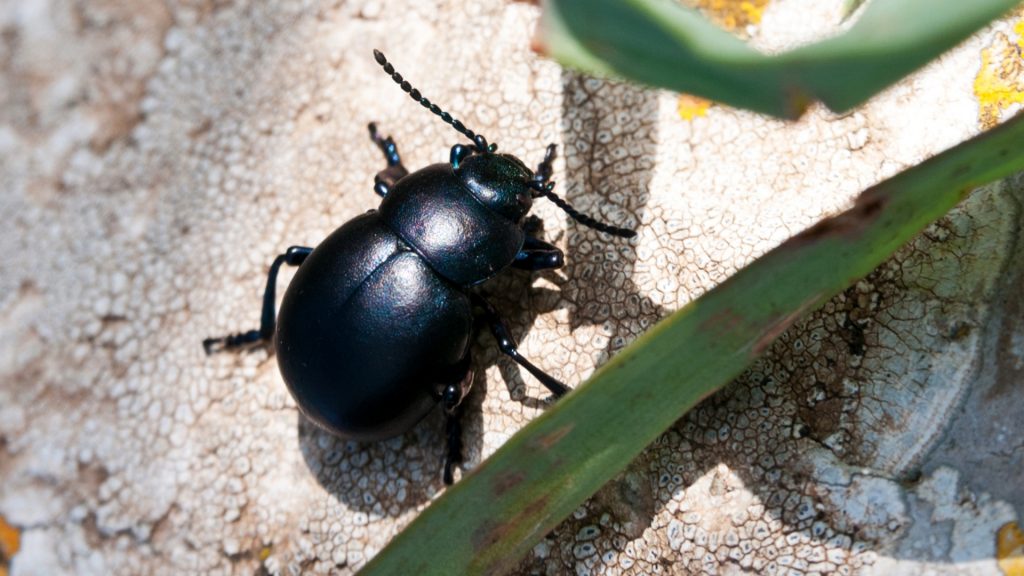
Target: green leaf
x,y
850,7
486,522
663,44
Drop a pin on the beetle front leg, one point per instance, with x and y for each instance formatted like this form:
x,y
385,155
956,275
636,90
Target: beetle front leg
x,y
538,255
508,345
544,169
294,256
395,171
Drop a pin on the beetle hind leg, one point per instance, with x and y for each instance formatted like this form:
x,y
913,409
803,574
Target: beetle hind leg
x,y
395,171
294,256
451,401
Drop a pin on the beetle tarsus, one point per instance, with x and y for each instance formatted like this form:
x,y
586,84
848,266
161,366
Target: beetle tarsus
x,y
386,145
453,450
544,169
233,342
453,455
395,170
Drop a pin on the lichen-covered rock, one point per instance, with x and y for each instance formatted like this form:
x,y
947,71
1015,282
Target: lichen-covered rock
x,y
154,157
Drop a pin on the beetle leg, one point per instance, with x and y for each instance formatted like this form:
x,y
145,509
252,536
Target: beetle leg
x,y
453,451
544,170
451,400
508,345
395,171
294,256
538,255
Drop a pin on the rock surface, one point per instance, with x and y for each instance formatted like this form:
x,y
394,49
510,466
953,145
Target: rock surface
x,y
155,157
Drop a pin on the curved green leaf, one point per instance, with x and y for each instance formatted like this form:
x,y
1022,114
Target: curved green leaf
x,y
663,44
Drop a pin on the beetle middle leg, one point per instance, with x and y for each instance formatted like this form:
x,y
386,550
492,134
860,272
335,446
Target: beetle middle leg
x,y
507,344
294,256
395,171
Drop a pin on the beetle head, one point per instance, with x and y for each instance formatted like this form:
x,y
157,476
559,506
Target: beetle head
x,y
498,181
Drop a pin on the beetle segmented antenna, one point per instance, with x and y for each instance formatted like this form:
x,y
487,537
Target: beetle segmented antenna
x,y
478,139
546,190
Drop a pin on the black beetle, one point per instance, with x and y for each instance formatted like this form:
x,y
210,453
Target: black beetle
x,y
375,328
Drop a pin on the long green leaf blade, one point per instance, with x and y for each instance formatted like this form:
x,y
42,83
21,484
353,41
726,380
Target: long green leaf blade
x,y
663,44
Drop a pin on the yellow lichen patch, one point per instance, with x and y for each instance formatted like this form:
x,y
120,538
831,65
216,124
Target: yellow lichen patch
x,y
731,14
1000,81
692,106
10,542
1010,549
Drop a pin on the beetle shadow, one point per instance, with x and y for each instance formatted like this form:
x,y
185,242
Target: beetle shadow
x,y
389,477
610,135
610,130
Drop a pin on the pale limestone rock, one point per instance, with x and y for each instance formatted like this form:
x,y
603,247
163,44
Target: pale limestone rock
x,y
155,158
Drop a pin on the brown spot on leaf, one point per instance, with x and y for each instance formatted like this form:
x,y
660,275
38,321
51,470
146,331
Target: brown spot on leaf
x,y
493,532
506,481
548,440
781,324
865,211
722,322
797,101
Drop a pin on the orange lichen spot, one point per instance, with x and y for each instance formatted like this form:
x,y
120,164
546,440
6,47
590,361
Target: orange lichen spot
x,y
1010,549
691,107
999,84
10,542
732,15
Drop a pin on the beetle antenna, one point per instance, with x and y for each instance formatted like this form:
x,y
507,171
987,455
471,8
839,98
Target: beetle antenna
x,y
546,190
478,139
